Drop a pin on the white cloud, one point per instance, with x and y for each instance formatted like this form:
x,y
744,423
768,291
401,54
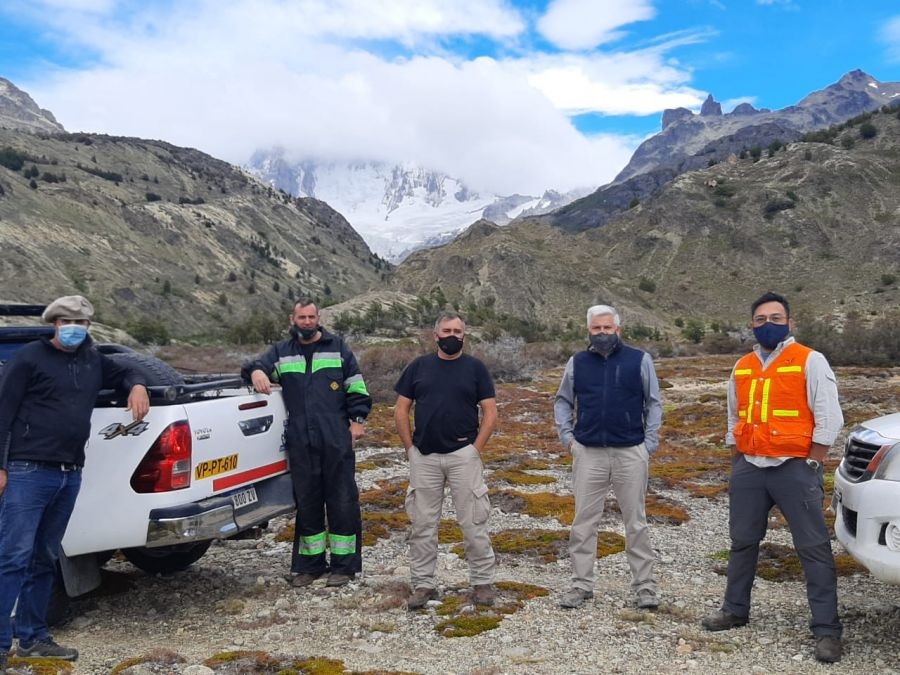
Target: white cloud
x,y
585,24
230,78
889,35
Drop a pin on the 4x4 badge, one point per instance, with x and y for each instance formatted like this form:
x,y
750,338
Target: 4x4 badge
x,y
136,428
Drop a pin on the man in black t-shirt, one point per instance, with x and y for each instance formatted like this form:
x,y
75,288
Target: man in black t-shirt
x,y
447,389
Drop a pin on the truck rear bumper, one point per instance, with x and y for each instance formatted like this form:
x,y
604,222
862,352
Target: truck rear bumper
x,y
218,517
867,523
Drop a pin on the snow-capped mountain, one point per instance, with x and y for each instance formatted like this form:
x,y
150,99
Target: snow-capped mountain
x,y
397,208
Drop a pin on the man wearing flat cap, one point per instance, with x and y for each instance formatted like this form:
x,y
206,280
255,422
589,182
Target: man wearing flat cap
x,y
47,395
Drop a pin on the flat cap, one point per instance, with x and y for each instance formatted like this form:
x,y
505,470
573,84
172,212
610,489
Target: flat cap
x,y
75,307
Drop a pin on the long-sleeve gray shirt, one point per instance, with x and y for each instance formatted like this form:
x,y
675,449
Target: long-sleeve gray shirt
x,y
821,397
564,405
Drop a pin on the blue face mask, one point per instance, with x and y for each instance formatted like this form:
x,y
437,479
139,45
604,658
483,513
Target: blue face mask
x,y
72,335
770,334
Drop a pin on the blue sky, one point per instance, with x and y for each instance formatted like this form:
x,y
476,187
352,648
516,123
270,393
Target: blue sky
x,y
510,95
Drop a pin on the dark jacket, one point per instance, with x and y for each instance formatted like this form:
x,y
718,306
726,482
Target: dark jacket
x,y
46,399
321,397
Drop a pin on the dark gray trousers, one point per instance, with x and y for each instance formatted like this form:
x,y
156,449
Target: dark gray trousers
x,y
798,492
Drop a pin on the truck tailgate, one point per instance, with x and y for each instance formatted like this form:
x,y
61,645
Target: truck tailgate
x,y
236,441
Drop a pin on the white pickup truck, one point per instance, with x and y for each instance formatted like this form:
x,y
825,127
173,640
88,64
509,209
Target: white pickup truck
x,y
207,462
866,497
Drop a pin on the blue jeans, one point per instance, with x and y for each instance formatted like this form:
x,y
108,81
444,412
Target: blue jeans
x,y
34,513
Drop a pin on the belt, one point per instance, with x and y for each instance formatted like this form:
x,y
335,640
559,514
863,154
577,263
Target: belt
x,y
58,466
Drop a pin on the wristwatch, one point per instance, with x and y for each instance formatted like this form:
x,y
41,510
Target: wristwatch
x,y
814,464
359,420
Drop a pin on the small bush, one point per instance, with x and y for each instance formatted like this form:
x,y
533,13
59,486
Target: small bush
x,y
152,197
847,142
867,130
694,331
149,331
725,190
888,279
32,172
647,285
12,159
48,177
773,206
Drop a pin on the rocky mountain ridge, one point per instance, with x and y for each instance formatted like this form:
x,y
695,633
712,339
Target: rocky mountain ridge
x,y
19,111
690,142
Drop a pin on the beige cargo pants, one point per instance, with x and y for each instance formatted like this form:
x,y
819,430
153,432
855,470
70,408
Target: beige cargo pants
x,y
428,474
594,471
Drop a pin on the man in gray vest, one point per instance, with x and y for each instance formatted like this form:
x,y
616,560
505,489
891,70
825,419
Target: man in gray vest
x,y
613,388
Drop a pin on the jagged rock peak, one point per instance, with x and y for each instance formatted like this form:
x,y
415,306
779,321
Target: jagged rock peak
x,y
672,115
744,109
856,76
711,107
19,111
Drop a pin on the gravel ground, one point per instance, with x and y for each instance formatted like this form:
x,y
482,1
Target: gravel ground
x,y
236,597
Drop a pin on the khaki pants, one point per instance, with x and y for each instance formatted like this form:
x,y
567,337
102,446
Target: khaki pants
x,y
463,472
594,471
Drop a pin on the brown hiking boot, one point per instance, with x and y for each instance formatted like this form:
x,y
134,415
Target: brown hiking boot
x,y
484,594
828,649
335,580
305,579
420,598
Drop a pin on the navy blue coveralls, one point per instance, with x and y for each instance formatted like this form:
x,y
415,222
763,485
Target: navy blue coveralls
x,y
321,397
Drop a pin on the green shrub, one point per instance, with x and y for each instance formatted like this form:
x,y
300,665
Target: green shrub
x,y
12,159
149,331
725,190
777,204
647,285
867,130
694,331
152,197
888,279
847,142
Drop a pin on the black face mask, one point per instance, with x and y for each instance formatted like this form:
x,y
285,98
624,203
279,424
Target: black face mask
x,y
304,333
604,343
450,344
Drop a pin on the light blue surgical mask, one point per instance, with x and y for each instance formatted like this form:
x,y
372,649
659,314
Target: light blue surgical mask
x,y
72,335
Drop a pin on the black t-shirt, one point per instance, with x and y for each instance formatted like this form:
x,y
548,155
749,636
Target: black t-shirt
x,y
446,394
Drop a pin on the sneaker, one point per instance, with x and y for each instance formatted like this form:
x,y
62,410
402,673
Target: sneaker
x,y
723,620
828,649
420,598
305,579
484,594
46,649
335,580
574,598
646,599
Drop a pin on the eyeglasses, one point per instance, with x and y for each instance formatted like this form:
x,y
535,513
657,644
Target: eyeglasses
x,y
762,319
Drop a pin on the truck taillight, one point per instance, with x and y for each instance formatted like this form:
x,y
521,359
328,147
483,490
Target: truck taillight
x,y
167,464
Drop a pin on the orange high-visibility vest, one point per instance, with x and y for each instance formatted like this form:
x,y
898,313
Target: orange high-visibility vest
x,y
774,418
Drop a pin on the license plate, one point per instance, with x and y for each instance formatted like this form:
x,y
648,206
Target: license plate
x,y
244,497
214,467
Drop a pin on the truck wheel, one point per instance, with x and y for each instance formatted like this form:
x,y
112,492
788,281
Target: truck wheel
x,y
166,559
153,370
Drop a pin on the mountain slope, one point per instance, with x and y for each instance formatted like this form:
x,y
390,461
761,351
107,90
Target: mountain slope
x,y
818,221
151,231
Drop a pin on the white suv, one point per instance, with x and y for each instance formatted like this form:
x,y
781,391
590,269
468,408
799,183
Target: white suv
x,y
867,497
